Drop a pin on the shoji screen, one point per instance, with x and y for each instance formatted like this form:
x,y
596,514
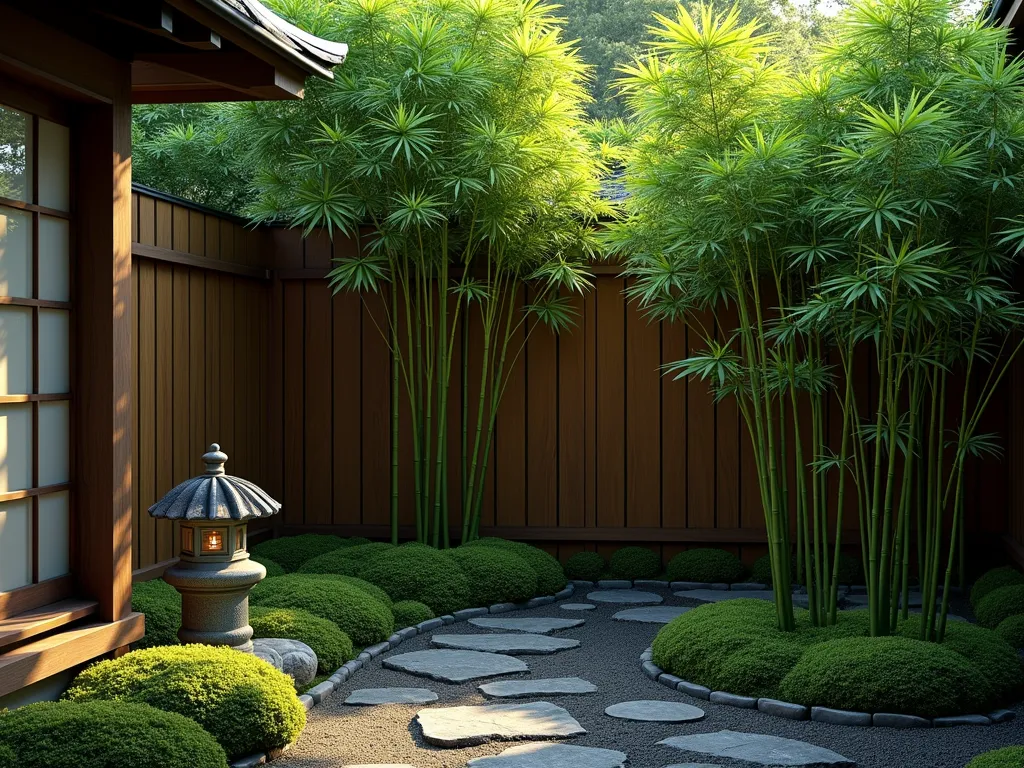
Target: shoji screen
x,y
35,349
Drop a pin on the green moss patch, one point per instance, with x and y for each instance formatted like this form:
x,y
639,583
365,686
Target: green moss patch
x,y
420,573
332,646
635,563
585,566
993,580
361,616
246,704
291,552
550,576
273,568
370,589
1011,630
495,575
410,612
111,734
706,565
999,605
162,605
345,562
1007,757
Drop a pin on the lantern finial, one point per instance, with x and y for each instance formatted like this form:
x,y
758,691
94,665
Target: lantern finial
x,y
215,460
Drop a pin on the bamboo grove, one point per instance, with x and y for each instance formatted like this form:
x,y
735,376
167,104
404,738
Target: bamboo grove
x,y
859,222
450,147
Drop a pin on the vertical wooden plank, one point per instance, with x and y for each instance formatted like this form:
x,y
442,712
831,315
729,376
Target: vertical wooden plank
x,y
318,250
590,403
376,423
164,399
241,343
137,510
197,233
643,420
147,220
611,404
211,245
227,373
542,427
274,396
214,335
700,435
317,378
510,469
727,448
294,317
180,378
227,241
197,370
164,229
673,429
145,472
572,424
135,217
180,238
346,407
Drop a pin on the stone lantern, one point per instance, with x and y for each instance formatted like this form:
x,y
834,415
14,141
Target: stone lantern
x,y
214,573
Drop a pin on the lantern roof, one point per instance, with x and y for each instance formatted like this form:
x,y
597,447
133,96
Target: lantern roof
x,y
215,495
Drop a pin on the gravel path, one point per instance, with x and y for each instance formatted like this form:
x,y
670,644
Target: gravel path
x,y
338,735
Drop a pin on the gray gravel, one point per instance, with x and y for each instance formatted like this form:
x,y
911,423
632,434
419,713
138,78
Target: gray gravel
x,y
338,735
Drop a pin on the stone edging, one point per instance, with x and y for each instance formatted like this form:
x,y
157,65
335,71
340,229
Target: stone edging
x,y
318,693
792,711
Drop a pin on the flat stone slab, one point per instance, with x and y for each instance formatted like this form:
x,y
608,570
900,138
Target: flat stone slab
x,y
450,666
717,595
657,614
533,626
371,697
577,606
656,711
508,642
472,725
763,750
552,756
522,689
625,597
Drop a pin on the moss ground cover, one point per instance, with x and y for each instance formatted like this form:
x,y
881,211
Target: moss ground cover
x,y
990,581
290,552
550,576
634,563
419,573
410,612
999,605
345,562
706,565
587,566
332,646
495,575
736,646
162,605
1007,757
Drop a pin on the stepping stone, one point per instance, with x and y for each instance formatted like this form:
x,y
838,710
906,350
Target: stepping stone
x,y
763,750
625,597
655,711
472,725
533,626
717,595
552,756
577,606
658,614
522,689
370,697
508,642
455,666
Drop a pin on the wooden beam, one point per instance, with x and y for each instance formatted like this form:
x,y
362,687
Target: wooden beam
x,y
151,572
200,262
32,596
65,650
232,68
44,619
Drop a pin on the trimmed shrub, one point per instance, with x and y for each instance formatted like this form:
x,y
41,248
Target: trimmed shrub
x,y
1007,757
356,541
1011,630
419,573
495,575
111,734
361,616
332,646
761,570
246,704
886,674
550,576
345,562
999,605
409,612
586,566
291,552
162,605
707,565
993,580
757,668
635,563
273,569
371,589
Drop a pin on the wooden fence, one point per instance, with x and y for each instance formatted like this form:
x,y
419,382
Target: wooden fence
x,y
594,447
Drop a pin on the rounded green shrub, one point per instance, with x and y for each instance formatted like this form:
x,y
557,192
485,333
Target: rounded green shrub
x,y
356,541
162,605
290,552
246,704
761,570
419,573
635,563
1007,757
361,616
345,562
273,568
886,674
550,576
585,566
999,605
757,668
363,584
1011,630
410,612
332,646
706,565
993,580
495,575
107,734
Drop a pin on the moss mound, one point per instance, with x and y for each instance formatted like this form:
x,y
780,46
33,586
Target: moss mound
x,y
706,565
757,668
419,573
110,734
332,646
162,605
1007,757
635,563
761,570
345,562
371,589
1011,630
999,605
585,566
361,616
993,580
495,575
550,576
409,612
246,704
273,568
291,552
